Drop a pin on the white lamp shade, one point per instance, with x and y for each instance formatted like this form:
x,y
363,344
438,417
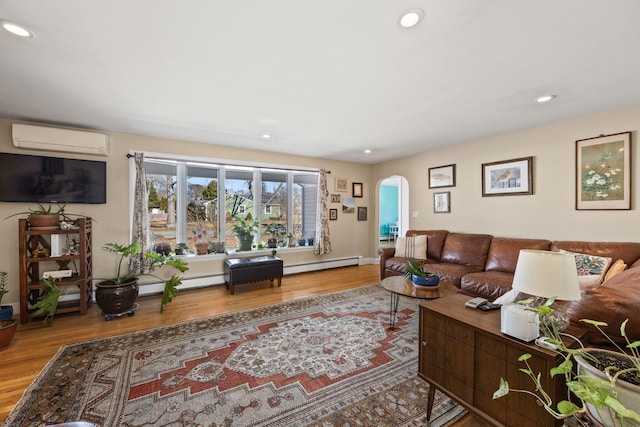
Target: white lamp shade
x,y
547,274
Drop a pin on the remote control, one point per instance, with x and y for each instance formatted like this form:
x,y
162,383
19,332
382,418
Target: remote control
x,y
489,306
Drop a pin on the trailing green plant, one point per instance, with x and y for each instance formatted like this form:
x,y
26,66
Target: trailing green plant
x,y
599,393
411,267
125,272
48,209
48,301
3,284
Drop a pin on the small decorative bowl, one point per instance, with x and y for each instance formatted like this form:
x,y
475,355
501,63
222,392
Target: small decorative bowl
x,y
429,280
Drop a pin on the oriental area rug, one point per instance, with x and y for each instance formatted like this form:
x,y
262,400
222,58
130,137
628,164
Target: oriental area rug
x,y
323,361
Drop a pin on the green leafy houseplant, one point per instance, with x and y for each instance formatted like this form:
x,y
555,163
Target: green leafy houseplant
x,y
600,394
412,268
3,284
244,229
125,274
48,301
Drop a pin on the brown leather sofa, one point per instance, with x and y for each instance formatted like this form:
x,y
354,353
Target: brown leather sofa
x,y
483,265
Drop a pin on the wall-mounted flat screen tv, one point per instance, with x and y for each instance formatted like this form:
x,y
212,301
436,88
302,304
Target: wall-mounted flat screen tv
x,y
39,179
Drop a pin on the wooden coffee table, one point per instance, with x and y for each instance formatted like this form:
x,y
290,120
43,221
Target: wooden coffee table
x,y
399,285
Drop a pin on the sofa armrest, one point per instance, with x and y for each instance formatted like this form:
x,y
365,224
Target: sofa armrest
x,y
385,254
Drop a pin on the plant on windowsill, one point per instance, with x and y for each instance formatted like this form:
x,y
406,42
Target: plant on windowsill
x,y
244,229
611,396
272,229
117,295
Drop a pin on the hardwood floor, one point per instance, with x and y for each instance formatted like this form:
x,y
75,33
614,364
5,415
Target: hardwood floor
x,y
35,344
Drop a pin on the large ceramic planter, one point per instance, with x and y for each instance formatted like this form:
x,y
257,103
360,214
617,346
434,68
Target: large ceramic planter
x,y
117,299
628,394
244,242
7,331
44,221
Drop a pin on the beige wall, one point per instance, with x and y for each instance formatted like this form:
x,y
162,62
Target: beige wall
x,y
548,213
350,237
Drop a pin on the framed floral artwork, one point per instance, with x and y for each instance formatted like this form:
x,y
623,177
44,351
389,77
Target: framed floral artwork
x,y
508,177
603,172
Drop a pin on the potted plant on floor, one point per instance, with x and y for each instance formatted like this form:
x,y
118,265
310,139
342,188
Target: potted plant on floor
x,y
6,311
117,295
7,323
244,230
608,396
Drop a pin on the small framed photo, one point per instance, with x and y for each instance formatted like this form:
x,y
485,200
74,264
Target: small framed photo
x,y
603,172
341,184
362,213
442,176
508,177
442,202
333,214
357,189
348,205
335,198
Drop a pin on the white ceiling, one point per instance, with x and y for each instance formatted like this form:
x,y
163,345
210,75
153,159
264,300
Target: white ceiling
x,y
326,78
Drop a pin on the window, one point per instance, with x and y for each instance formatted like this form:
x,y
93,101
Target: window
x,y
197,201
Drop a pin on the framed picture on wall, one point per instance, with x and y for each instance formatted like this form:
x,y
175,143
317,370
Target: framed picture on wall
x,y
603,172
357,189
333,214
341,184
442,176
348,205
335,198
441,202
507,177
362,213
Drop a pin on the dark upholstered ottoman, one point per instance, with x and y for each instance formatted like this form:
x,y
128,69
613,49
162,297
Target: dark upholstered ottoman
x,y
246,270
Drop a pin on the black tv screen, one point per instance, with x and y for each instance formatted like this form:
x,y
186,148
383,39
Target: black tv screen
x,y
39,179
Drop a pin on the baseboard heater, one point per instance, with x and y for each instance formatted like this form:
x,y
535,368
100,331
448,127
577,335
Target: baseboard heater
x,y
218,279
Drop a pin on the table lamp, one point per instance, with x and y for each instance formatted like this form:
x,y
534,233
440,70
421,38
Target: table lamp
x,y
541,275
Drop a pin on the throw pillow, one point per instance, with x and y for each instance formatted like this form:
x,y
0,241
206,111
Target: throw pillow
x,y
617,267
591,268
411,247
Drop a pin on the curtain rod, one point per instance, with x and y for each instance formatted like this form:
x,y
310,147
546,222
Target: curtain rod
x,y
131,155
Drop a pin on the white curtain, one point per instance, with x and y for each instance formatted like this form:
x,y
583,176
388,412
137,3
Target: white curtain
x,y
323,238
140,225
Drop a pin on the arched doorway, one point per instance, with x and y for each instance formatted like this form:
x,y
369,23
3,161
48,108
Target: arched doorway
x,y
393,208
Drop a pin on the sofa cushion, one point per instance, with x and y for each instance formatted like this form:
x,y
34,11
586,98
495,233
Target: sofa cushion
x,y
487,284
466,249
395,265
591,268
411,247
628,252
616,268
503,252
613,302
435,241
449,272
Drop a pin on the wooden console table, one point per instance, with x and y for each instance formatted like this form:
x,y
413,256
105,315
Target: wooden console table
x,y
463,353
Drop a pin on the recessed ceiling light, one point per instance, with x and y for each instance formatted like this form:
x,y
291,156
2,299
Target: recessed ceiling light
x,y
16,29
367,151
545,98
266,136
410,18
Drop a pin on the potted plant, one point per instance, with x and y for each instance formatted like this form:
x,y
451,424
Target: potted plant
x,y
244,230
415,273
272,229
6,311
607,396
7,323
47,303
45,217
117,295
200,235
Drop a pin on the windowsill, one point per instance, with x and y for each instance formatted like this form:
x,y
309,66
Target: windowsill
x,y
231,253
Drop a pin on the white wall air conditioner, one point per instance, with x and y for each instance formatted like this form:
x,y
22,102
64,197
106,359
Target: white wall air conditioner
x,y
56,139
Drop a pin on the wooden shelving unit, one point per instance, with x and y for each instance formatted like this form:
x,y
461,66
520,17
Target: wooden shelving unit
x,y
35,249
